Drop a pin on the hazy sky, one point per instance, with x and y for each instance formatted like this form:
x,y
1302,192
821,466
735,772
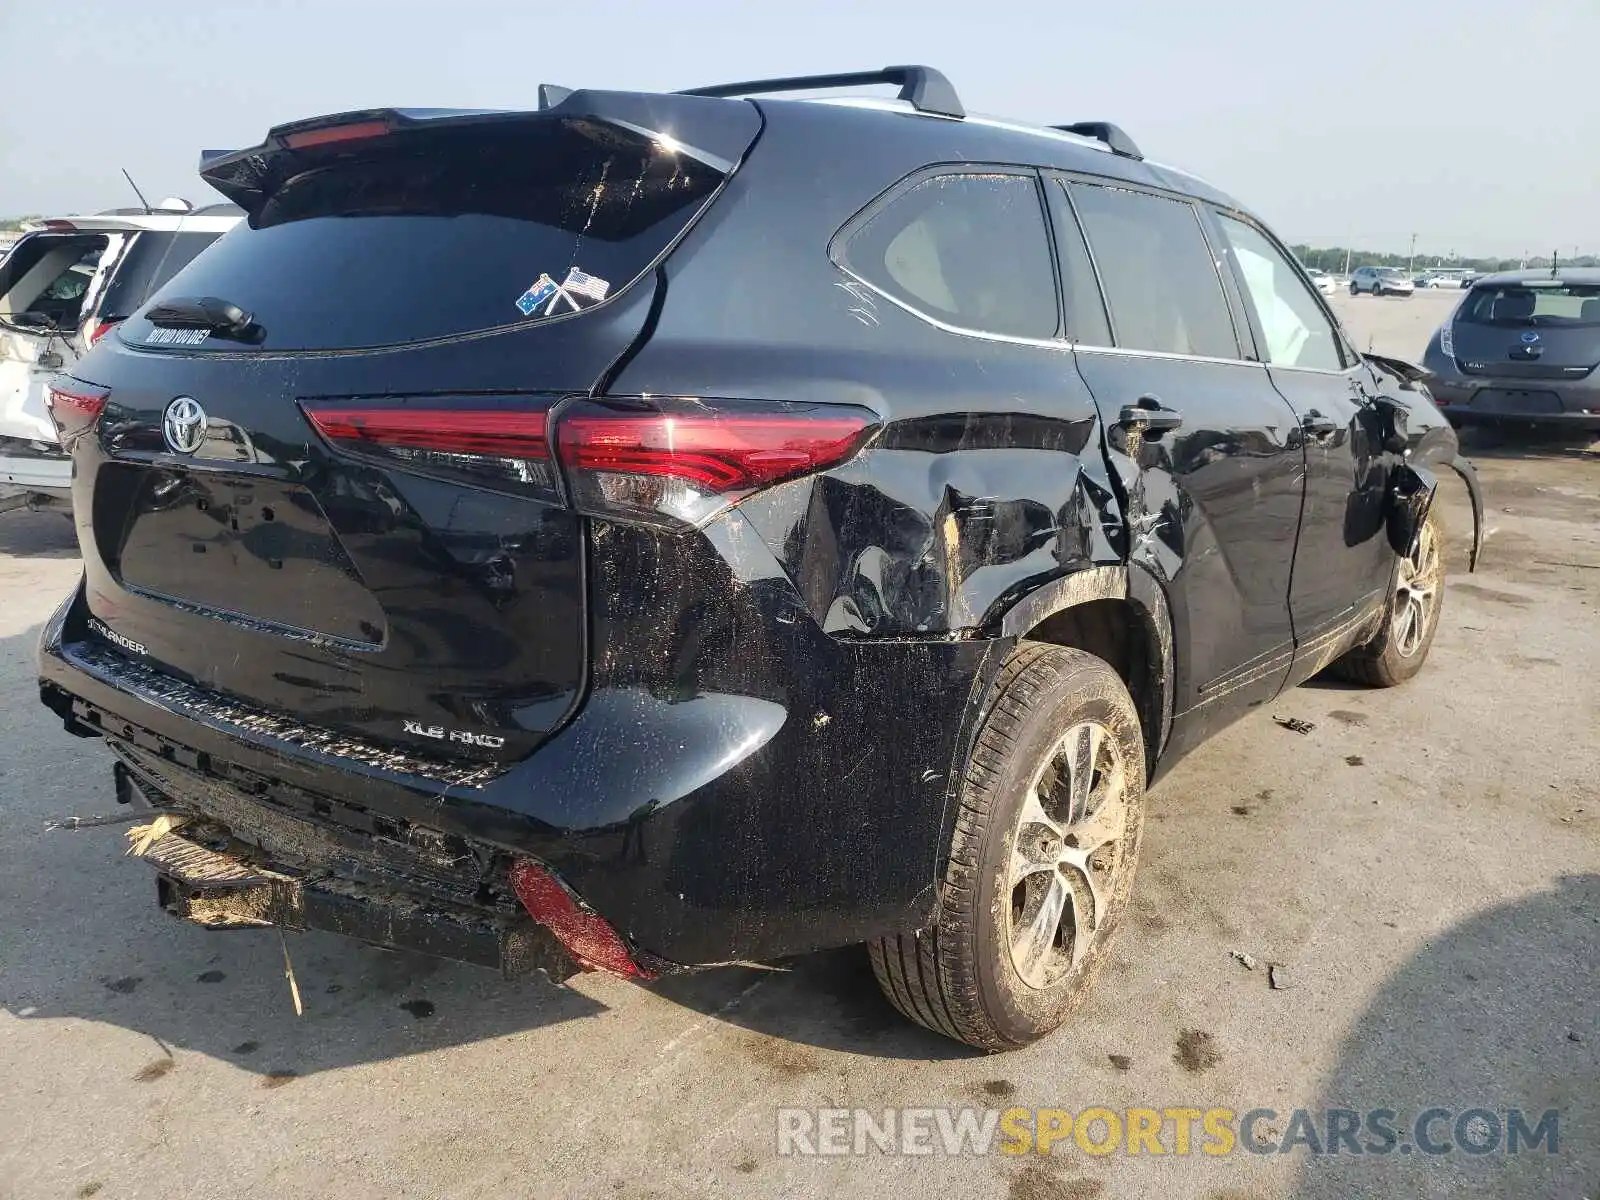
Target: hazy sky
x,y
1469,122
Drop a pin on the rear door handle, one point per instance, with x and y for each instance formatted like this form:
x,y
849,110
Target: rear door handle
x,y
1318,426
1150,413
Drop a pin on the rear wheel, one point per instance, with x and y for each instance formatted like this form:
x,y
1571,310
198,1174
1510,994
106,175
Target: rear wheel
x,y
1400,647
1041,864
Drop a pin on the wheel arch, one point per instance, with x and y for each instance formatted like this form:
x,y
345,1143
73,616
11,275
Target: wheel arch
x,y
1118,613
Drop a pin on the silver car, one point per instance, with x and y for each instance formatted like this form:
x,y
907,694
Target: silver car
x,y
1381,281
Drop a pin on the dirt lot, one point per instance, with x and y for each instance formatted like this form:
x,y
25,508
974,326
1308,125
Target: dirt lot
x,y
1426,861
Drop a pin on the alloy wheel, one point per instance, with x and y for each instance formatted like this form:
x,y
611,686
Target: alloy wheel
x,y
1416,593
1066,853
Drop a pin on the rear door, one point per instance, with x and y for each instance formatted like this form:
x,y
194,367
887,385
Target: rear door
x,y
342,507
1344,561
1209,447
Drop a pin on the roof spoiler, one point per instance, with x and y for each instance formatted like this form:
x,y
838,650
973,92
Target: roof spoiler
x,y
1116,140
925,89
715,134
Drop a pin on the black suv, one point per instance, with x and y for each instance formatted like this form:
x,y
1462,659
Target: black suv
x,y
664,530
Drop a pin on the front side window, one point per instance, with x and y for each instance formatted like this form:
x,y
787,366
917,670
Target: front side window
x,y
1296,330
967,250
1160,280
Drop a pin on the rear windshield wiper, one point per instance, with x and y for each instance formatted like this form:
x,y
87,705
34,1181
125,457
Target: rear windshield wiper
x,y
204,312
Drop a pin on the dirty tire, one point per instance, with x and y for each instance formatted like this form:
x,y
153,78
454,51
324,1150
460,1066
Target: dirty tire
x,y
962,977
1393,656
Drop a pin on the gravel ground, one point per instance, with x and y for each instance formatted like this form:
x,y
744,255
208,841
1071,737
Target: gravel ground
x,y
1426,862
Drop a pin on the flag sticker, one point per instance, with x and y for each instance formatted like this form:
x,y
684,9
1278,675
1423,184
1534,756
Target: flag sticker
x,y
578,286
581,283
543,288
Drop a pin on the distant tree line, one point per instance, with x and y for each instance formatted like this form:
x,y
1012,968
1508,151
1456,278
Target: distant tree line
x,y
1332,258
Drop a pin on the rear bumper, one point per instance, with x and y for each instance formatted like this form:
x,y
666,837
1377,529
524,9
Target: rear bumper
x,y
1482,400
704,829
1576,422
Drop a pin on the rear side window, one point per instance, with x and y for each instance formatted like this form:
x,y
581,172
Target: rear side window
x,y
1518,304
967,250
1156,268
154,258
436,233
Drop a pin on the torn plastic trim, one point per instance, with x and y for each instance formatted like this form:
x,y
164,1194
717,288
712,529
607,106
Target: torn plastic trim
x,y
1469,476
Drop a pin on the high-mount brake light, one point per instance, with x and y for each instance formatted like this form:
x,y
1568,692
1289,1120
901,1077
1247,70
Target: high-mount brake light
x,y
676,462
355,131
494,444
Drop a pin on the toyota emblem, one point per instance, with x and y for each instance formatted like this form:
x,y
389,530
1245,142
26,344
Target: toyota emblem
x,y
183,426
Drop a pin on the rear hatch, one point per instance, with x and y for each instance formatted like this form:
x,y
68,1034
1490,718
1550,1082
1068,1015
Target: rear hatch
x,y
1532,329
320,482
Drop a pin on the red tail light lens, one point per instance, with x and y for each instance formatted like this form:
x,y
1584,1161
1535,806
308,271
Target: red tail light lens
x,y
74,408
585,934
99,329
497,443
673,462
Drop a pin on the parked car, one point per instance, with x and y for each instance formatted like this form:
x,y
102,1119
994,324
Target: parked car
x,y
1423,281
760,553
1521,347
1380,281
64,283
1323,281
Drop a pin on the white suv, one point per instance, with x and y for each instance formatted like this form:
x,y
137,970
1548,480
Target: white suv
x,y
1381,281
63,284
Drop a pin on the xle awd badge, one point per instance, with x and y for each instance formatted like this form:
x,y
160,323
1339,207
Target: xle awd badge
x,y
461,736
183,425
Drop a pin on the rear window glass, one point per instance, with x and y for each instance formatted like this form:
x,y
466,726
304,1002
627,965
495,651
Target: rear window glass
x,y
969,250
1512,304
435,233
154,258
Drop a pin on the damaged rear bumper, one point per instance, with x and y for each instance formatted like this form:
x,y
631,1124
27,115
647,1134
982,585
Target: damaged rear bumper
x,y
207,876
727,834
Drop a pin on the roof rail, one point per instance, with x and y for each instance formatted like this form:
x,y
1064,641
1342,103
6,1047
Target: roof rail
x,y
927,90
1104,131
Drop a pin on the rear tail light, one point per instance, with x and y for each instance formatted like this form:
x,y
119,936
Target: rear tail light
x,y
99,329
74,408
1447,338
502,447
586,935
674,462
670,463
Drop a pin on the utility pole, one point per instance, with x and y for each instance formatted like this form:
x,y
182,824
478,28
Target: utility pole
x,y
1347,257
1411,260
